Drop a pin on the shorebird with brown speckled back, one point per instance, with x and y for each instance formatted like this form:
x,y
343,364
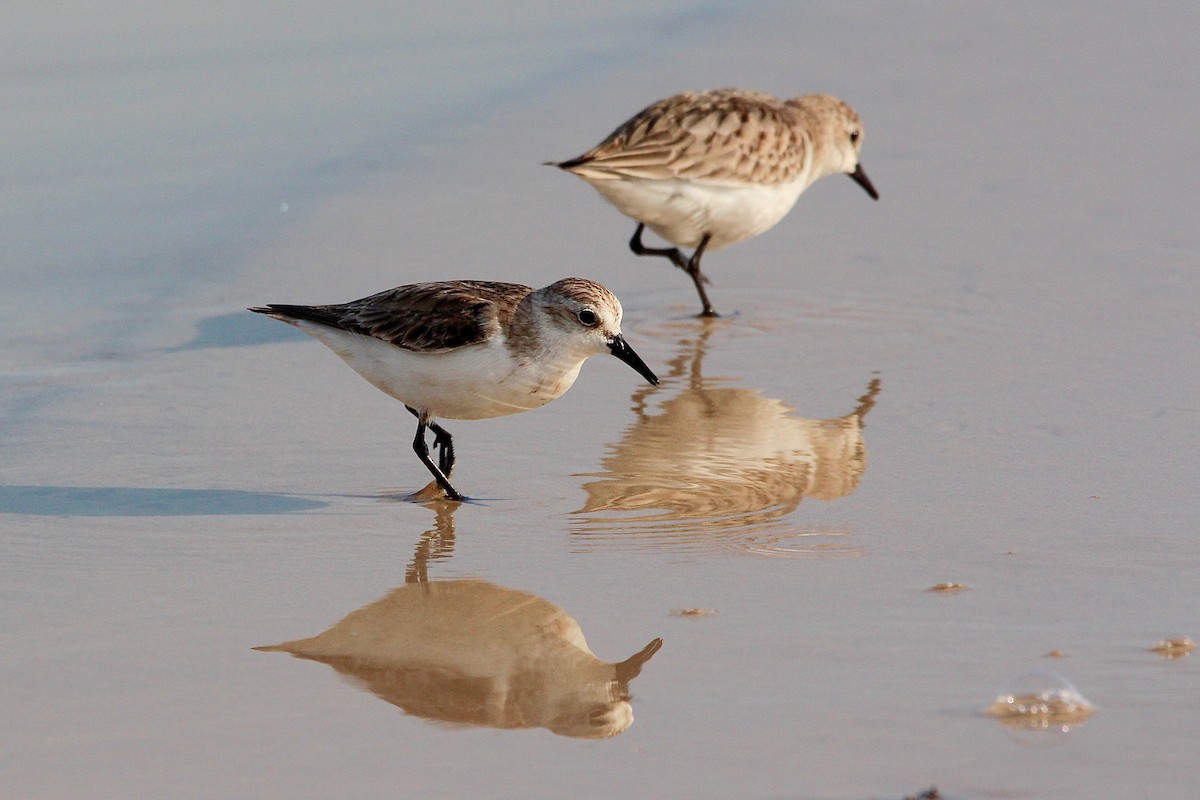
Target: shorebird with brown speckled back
x,y
469,349
708,169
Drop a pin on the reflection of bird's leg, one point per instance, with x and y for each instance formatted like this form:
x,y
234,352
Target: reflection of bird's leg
x,y
696,377
445,456
418,568
436,543
689,265
687,361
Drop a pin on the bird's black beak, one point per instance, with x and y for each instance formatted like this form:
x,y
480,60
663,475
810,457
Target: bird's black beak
x,y
621,349
860,177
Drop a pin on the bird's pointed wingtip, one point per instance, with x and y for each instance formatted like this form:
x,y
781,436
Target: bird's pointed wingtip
x,y
569,164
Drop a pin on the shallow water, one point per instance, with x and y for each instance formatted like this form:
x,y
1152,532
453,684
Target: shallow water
x,y
988,377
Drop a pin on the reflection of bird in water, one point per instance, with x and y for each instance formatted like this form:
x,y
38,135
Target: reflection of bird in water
x,y
717,457
473,653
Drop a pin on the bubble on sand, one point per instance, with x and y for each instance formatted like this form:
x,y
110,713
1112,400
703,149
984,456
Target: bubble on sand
x,y
1041,700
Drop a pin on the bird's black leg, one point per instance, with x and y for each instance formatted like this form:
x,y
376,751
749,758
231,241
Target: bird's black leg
x,y
445,457
635,244
691,265
693,269
443,440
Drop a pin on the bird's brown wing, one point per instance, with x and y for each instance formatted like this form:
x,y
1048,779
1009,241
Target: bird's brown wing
x,y
423,317
721,135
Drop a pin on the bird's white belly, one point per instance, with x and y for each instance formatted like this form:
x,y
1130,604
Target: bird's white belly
x,y
473,382
682,211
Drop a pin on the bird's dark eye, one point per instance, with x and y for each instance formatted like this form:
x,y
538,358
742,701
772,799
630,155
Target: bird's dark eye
x,y
854,136
588,318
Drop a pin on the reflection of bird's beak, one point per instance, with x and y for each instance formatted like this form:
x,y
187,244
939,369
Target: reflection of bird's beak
x,y
631,667
621,349
860,177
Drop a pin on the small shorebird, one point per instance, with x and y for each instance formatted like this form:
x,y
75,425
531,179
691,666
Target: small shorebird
x,y
469,349
708,169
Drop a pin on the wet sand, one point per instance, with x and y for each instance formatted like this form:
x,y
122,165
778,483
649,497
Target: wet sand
x,y
987,378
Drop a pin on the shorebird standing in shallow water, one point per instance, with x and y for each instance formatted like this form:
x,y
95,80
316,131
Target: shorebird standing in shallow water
x,y
708,169
469,349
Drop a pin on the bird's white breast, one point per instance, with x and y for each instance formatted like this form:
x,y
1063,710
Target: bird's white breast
x,y
682,211
473,382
